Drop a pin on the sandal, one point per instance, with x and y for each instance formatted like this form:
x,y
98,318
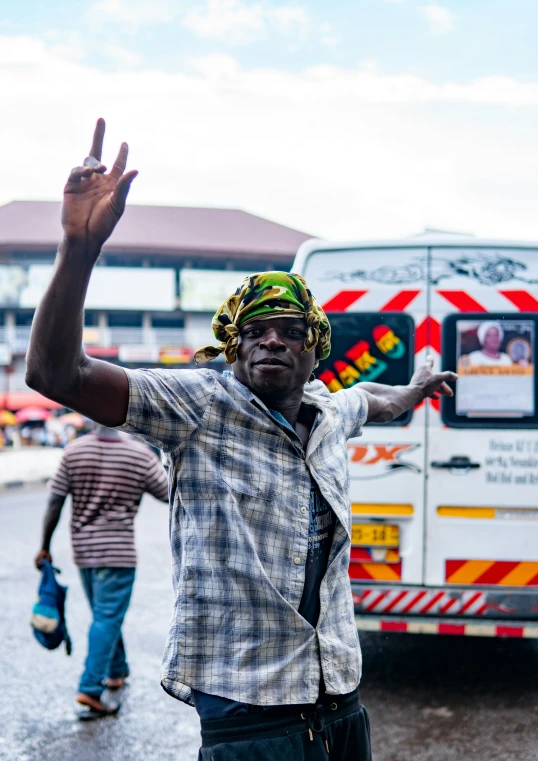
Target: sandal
x,y
89,713
114,684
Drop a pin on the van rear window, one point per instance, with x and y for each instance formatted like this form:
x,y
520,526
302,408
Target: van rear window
x,y
494,355
369,346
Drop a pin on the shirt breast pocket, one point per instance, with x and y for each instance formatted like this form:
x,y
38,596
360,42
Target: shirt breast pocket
x,y
251,462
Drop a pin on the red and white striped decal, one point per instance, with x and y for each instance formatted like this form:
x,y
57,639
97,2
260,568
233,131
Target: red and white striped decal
x,y
522,300
400,301
490,300
462,301
344,300
421,602
483,628
428,333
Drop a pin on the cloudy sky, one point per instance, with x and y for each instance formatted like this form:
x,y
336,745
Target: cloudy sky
x,y
351,119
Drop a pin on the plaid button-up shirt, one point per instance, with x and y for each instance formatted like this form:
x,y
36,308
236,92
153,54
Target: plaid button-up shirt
x,y
240,490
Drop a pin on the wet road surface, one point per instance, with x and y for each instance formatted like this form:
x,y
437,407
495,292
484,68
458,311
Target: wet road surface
x,y
434,698
430,698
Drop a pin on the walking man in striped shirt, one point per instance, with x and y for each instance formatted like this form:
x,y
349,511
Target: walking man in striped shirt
x,y
263,639
106,474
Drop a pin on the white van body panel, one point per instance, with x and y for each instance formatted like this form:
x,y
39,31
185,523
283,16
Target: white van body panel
x,y
431,277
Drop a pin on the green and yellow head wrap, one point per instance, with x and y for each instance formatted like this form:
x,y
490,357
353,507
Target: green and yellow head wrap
x,y
263,296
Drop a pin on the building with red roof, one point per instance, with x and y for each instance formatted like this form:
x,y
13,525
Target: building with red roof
x,y
161,276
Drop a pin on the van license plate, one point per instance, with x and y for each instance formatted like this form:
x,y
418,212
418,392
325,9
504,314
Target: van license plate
x,y
369,535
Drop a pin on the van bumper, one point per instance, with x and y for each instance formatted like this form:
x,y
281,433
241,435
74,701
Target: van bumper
x,y
477,603
448,626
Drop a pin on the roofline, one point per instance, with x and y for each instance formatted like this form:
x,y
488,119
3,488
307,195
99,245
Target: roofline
x,y
265,240
421,241
140,250
172,207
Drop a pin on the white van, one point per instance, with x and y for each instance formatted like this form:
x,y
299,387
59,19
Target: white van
x,y
445,499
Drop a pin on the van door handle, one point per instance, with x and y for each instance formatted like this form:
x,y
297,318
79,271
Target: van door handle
x,y
458,462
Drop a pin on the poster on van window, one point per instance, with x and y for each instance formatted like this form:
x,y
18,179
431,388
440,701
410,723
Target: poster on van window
x,y
495,362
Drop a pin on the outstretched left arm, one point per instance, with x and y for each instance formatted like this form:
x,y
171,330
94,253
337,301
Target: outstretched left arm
x,y
386,403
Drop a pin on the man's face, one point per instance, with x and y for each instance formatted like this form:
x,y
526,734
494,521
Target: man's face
x,y
492,340
270,358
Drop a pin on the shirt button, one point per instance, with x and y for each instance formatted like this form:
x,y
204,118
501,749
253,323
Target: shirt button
x,y
303,509
296,561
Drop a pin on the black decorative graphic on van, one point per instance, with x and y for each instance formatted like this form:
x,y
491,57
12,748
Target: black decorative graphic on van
x,y
486,269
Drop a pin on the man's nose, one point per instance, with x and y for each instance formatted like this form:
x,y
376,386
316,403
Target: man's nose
x,y
272,339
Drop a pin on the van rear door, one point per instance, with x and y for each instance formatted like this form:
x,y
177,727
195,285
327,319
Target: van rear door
x,y
377,309
482,509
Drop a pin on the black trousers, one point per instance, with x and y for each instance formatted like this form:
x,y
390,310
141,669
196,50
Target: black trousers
x,y
339,731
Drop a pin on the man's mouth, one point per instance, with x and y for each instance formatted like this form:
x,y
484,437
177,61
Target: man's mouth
x,y
272,361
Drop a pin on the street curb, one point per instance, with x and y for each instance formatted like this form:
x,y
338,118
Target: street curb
x,y
19,484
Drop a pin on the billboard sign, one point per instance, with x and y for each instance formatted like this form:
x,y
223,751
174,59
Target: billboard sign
x,y
5,354
125,288
134,353
175,355
206,290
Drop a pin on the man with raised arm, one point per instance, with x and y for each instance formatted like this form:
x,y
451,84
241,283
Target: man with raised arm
x,y
263,639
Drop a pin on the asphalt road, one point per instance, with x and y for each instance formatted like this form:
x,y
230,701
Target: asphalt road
x,y
429,698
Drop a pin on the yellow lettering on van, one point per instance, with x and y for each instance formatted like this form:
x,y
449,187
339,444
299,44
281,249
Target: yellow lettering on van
x,y
348,375
388,342
365,361
334,385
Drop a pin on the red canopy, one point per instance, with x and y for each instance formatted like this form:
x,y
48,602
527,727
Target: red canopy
x,y
16,400
32,414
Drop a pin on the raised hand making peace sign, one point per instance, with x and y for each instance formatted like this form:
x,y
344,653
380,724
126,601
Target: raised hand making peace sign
x,y
94,200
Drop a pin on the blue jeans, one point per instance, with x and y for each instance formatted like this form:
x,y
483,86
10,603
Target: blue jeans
x,y
109,592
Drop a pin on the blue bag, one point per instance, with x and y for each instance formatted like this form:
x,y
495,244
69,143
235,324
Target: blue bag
x,y
48,614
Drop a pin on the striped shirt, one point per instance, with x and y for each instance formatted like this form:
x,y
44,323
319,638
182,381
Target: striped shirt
x,y
239,528
106,479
